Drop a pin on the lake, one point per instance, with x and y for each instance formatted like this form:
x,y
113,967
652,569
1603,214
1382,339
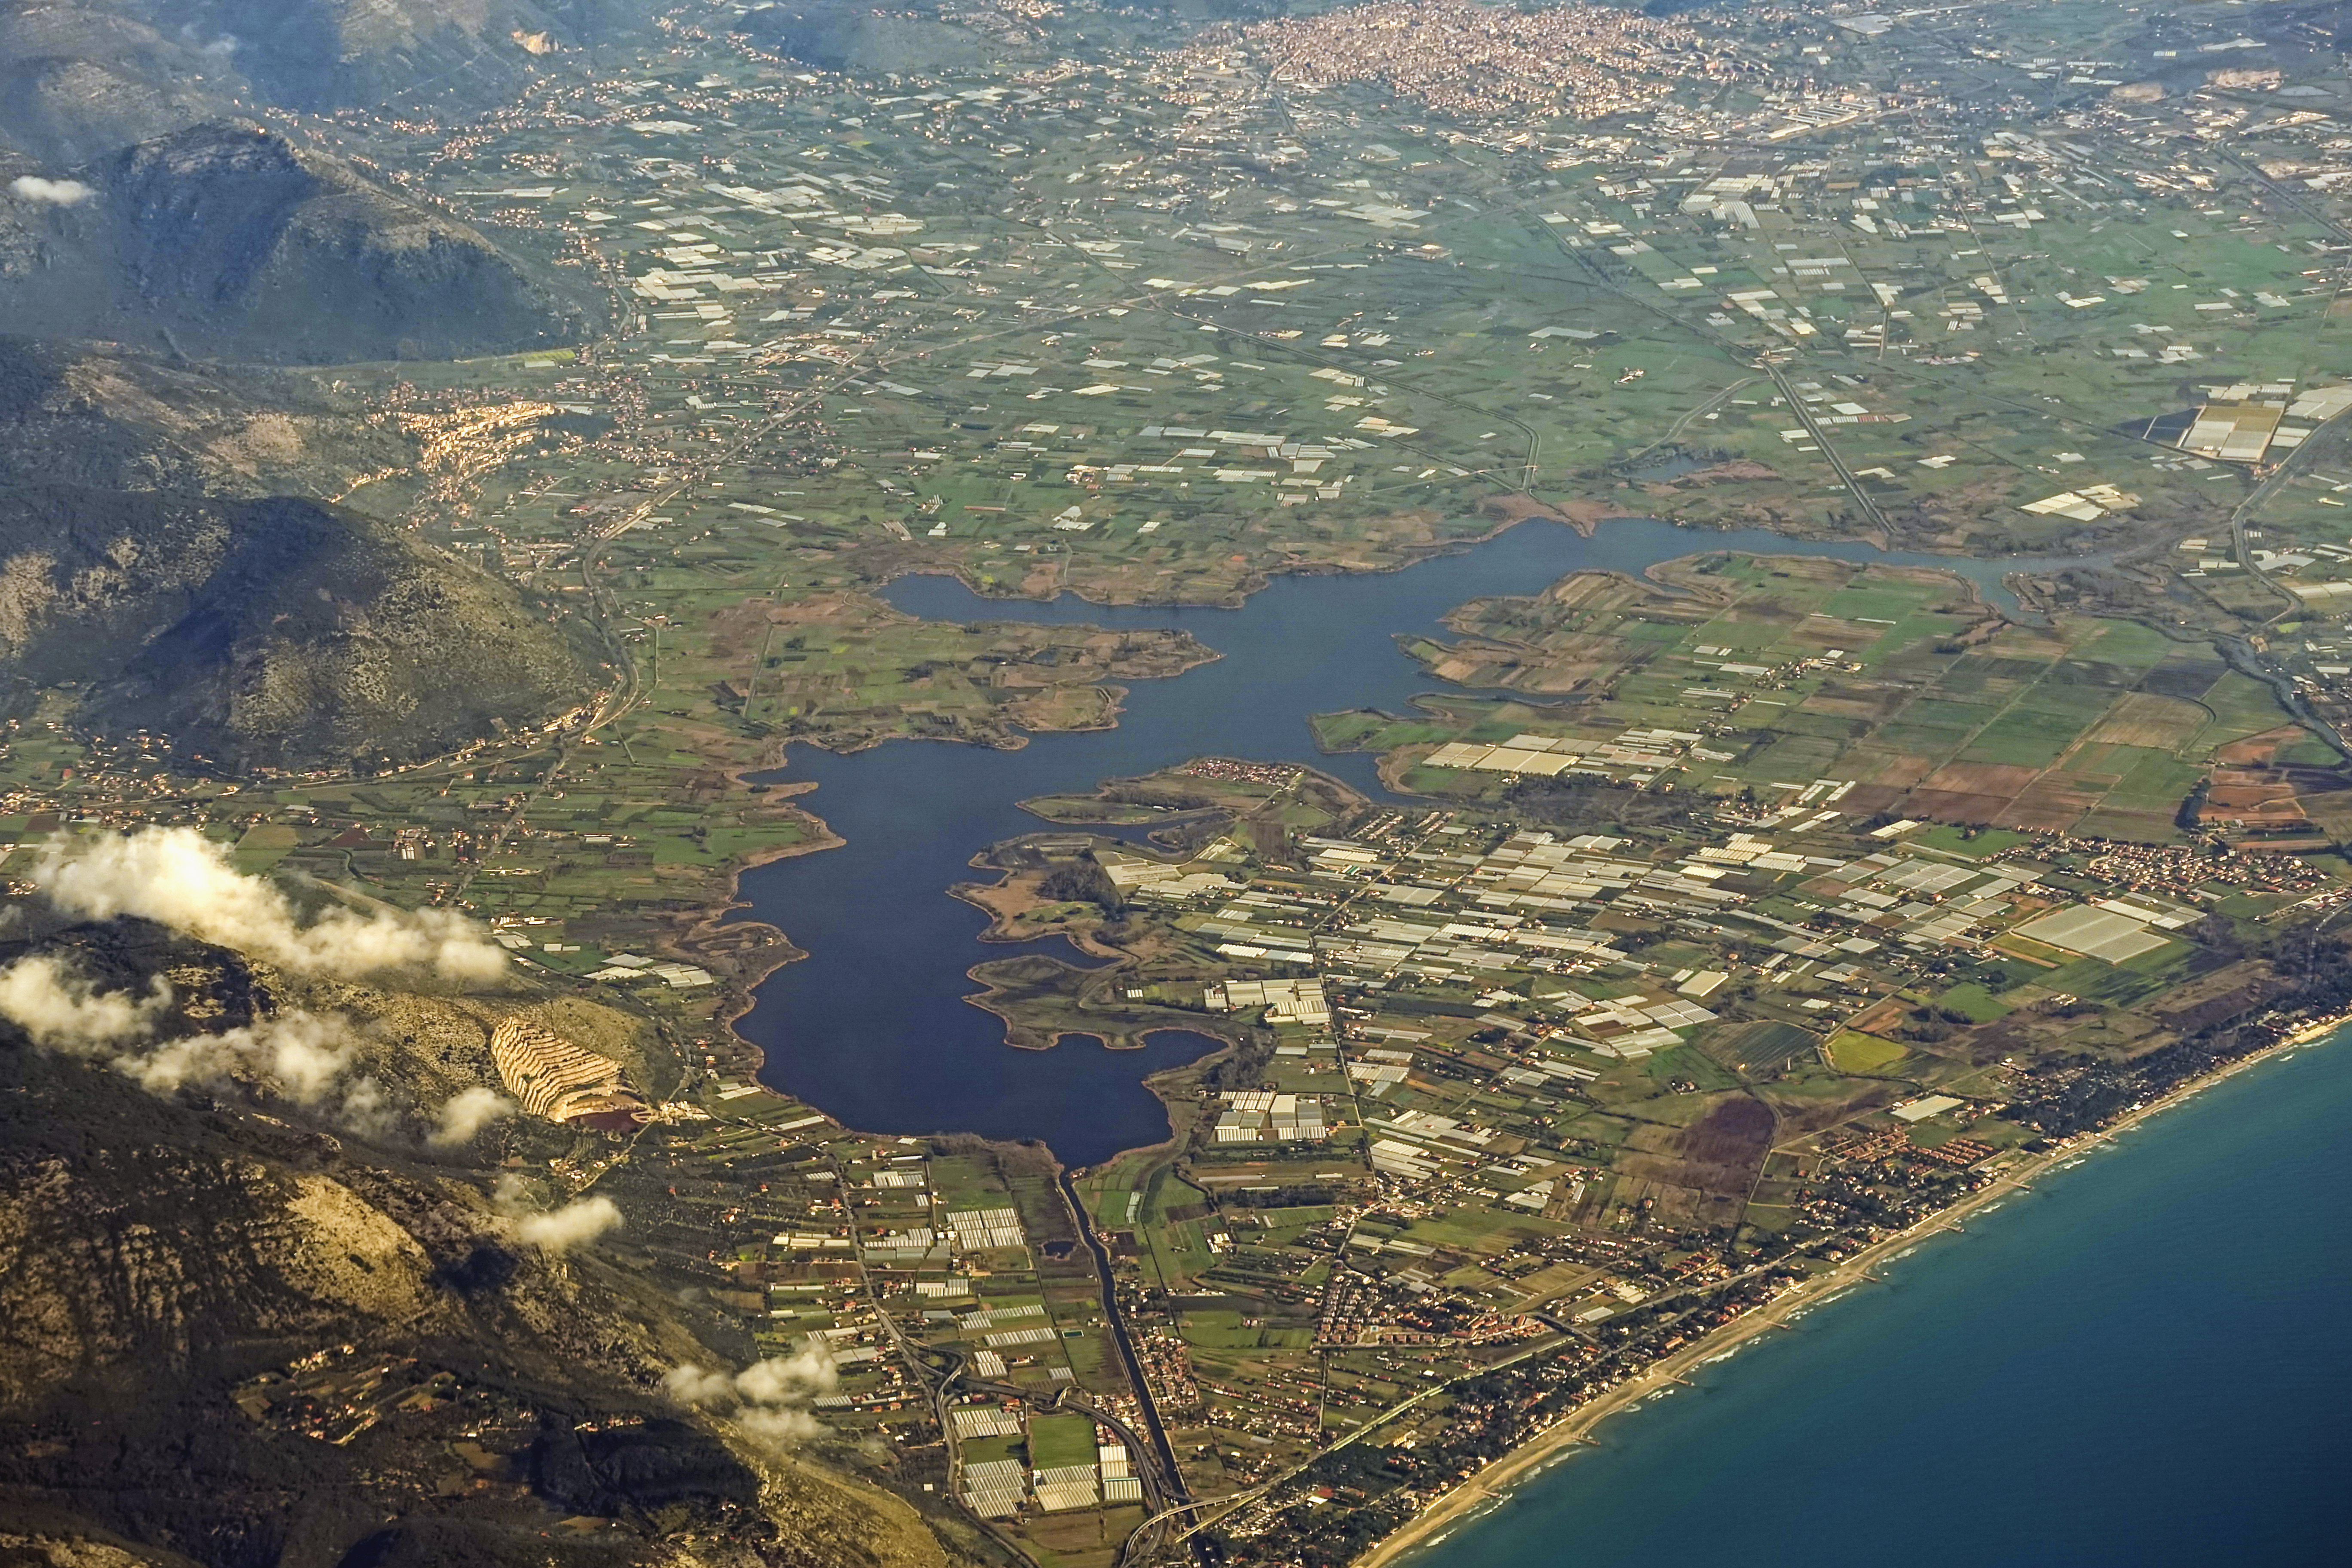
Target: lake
x,y
2141,1363
873,1026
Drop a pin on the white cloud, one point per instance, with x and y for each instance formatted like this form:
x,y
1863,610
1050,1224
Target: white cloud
x,y
769,1397
177,876
690,1385
779,1427
221,49
466,1112
368,1110
783,1380
559,1229
49,193
305,1057
57,1005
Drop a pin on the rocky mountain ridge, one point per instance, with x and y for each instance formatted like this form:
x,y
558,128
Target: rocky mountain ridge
x,y
80,79
272,633
237,1332
227,239
103,419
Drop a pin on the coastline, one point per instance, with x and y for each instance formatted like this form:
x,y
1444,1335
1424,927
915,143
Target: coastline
x,y
1487,1488
1494,1485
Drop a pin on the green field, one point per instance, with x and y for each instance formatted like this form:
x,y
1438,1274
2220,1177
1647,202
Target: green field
x,y
1058,1440
1855,1052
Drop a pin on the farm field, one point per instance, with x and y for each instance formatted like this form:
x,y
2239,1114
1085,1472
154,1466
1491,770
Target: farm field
x,y
1894,681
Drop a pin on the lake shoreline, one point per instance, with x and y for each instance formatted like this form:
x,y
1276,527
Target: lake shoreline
x,y
877,1030
719,914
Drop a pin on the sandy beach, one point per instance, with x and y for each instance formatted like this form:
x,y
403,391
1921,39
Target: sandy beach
x,y
1493,1484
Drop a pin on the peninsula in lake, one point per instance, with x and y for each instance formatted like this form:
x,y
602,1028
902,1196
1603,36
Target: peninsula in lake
x,y
1039,783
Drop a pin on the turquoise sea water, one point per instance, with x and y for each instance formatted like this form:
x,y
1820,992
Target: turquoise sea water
x,y
2143,1362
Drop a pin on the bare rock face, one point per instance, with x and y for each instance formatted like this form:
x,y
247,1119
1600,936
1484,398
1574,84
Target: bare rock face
x,y
95,1278
172,1273
67,1549
238,1332
227,239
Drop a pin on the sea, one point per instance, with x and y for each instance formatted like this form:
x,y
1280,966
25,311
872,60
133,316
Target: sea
x,y
2142,1363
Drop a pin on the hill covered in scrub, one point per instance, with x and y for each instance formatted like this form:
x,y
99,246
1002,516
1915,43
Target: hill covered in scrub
x,y
227,239
81,77
276,632
243,1324
845,37
95,415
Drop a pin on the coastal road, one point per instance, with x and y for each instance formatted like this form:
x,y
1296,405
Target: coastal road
x,y
1545,1346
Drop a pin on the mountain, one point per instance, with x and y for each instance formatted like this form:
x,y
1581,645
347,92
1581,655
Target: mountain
x,y
326,53
840,37
227,240
251,626
235,1335
276,632
78,82
103,418
80,79
322,54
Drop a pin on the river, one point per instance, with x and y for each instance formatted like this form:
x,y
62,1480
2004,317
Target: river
x,y
2140,1363
873,1026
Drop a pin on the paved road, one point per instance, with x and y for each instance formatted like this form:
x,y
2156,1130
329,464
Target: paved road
x,y
1172,1480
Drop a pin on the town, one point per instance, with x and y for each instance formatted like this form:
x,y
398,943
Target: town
x,y
1719,926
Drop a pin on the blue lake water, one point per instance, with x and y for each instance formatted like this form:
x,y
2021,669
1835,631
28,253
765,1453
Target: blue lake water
x,y
2142,1364
873,1026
